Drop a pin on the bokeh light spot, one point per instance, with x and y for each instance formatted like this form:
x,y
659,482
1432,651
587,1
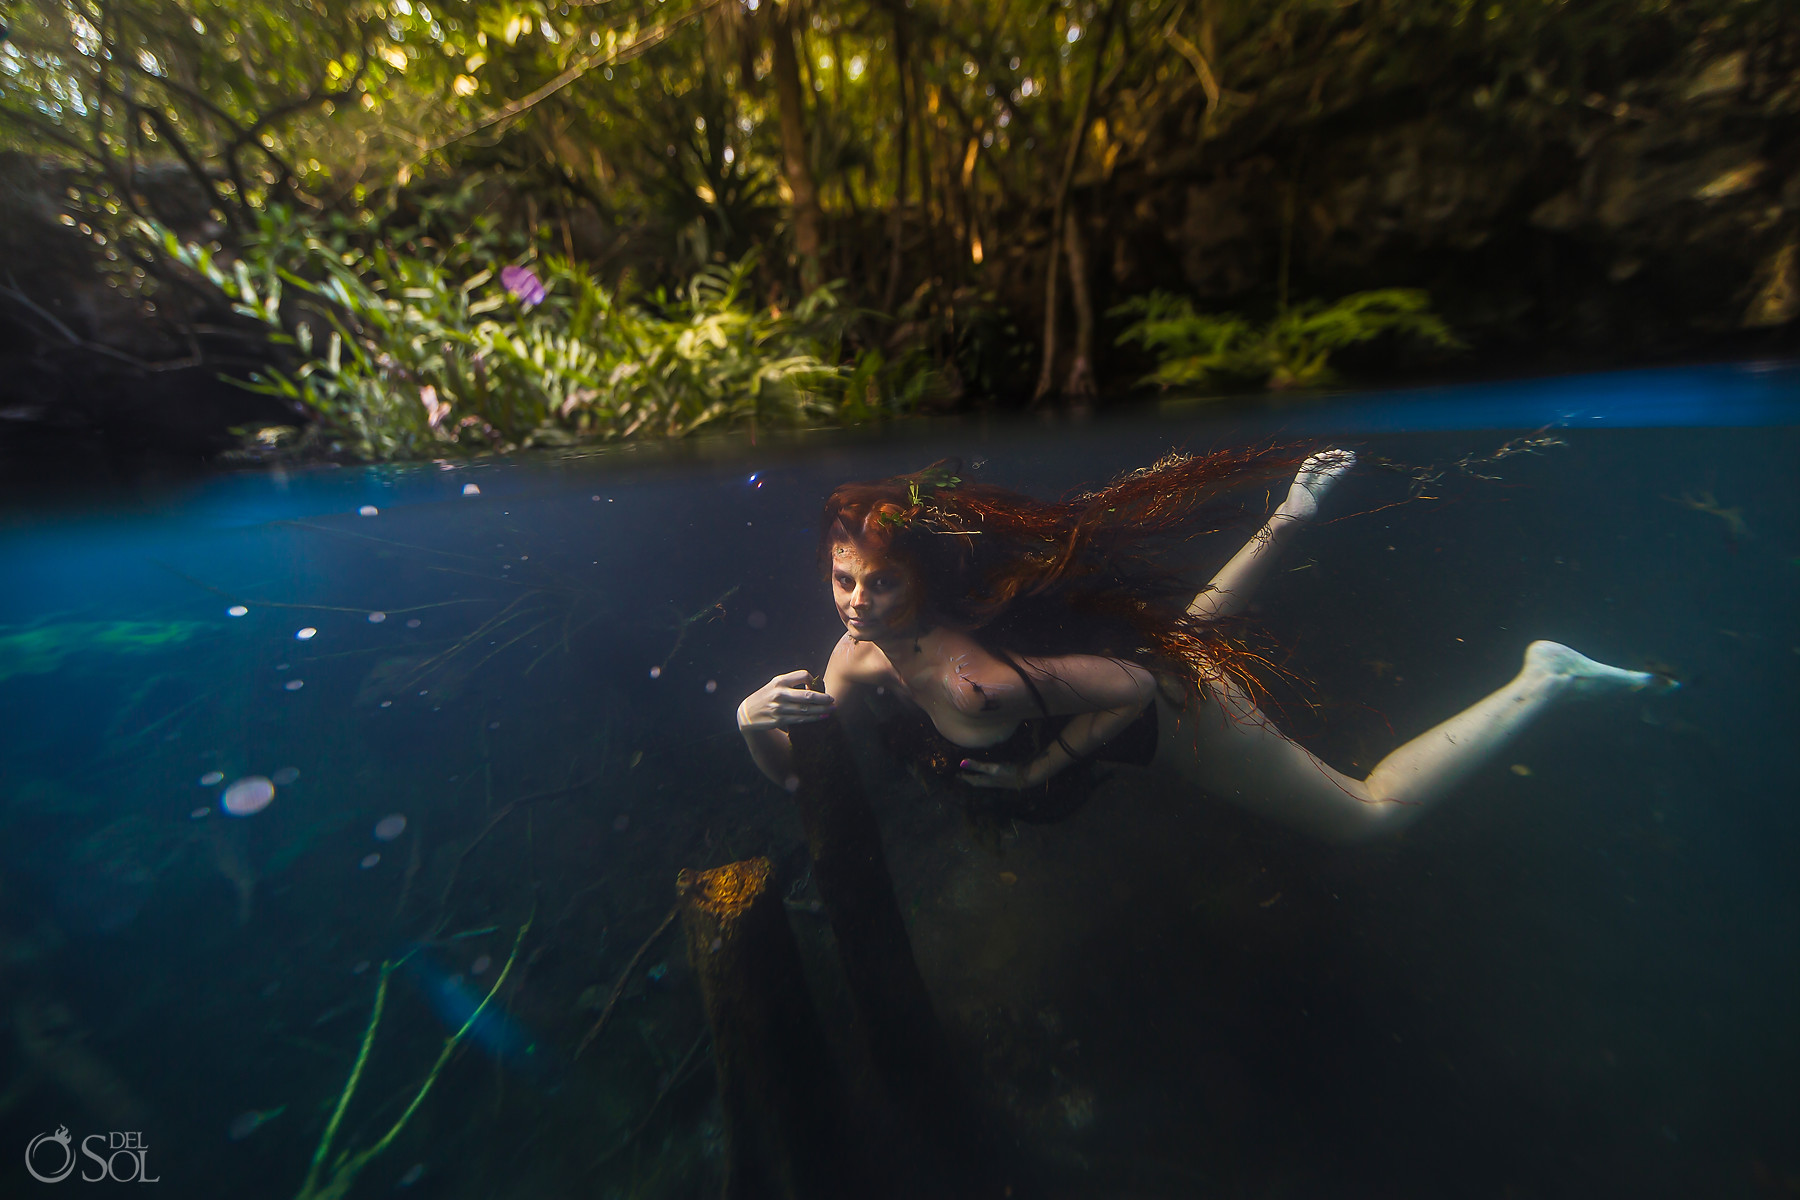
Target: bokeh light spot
x,y
248,796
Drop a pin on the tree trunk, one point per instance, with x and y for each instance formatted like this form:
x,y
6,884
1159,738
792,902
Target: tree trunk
x,y
902,140
1080,384
925,102
786,1137
796,159
1059,210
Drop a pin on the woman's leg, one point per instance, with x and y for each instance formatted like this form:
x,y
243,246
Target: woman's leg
x,y
1224,744
1230,590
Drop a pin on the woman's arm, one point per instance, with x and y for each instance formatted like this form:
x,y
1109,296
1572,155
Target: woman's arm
x,y
1104,696
762,720
763,717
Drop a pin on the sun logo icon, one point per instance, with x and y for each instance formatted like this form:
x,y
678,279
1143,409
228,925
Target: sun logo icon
x,y
60,1138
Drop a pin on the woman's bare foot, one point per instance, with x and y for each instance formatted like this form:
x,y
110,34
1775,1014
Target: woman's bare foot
x,y
1585,677
1317,476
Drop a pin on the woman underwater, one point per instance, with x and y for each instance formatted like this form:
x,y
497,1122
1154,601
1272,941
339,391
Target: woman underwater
x,y
1038,636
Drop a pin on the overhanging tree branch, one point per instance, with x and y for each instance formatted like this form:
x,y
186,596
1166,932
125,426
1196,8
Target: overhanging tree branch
x,y
621,54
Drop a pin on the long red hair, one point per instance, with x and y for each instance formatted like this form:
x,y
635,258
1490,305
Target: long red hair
x,y
1092,573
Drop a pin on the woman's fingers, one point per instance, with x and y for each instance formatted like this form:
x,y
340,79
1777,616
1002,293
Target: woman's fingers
x,y
797,696
791,706
785,700
992,775
804,702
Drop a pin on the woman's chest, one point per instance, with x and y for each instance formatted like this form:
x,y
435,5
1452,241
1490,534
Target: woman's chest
x,y
972,697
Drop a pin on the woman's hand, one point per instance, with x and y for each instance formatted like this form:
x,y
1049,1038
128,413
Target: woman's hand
x,y
1009,776
783,701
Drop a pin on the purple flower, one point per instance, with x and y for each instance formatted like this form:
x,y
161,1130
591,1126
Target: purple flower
x,y
524,284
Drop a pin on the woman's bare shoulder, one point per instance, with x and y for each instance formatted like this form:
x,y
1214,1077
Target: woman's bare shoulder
x,y
859,662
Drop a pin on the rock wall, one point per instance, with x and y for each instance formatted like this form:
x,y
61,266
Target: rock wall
x,y
87,392
1658,219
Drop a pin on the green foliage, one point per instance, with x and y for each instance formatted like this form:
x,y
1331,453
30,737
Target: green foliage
x,y
653,137
1294,349
402,354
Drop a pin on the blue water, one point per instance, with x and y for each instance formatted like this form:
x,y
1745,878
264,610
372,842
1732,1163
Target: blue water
x,y
1574,978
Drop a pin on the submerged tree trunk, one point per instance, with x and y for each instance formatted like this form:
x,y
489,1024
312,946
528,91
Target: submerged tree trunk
x,y
786,1133
796,159
905,1040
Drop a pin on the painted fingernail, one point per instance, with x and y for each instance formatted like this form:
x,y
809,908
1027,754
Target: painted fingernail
x,y
966,764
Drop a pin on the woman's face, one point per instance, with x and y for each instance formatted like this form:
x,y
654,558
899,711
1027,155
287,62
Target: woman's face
x,y
874,596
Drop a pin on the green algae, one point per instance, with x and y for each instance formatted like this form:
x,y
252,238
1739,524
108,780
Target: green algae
x,y
42,649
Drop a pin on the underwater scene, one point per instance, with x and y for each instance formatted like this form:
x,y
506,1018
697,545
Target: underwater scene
x,y
342,813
